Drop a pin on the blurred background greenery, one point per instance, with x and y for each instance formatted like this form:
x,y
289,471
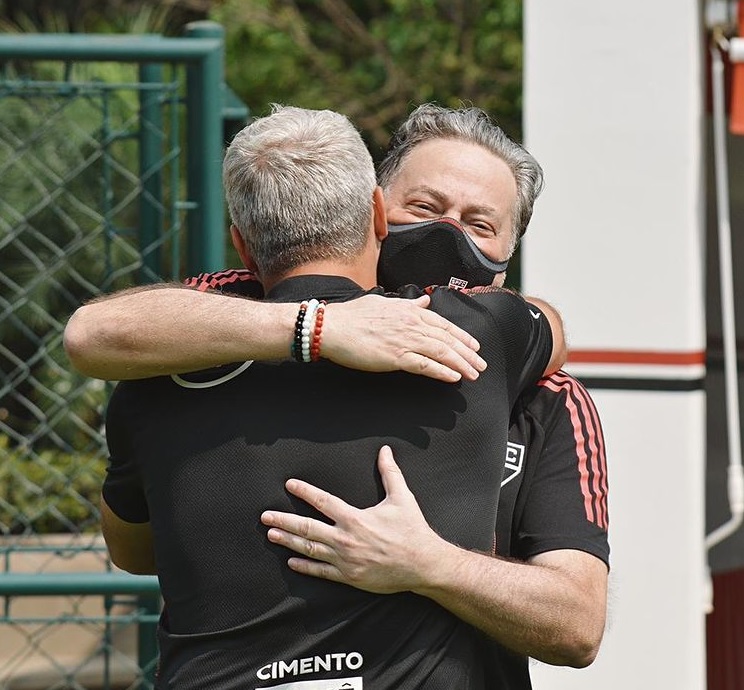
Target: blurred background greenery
x,y
372,60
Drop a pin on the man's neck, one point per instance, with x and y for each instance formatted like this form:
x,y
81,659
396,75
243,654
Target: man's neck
x,y
360,274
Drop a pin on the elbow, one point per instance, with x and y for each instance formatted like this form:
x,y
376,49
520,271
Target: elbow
x,y
561,356
578,649
138,569
96,346
583,653
143,565
78,341
557,359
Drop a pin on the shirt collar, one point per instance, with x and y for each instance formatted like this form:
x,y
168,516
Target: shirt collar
x,y
329,288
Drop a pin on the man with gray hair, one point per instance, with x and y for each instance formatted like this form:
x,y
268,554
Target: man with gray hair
x,y
429,122
454,164
196,459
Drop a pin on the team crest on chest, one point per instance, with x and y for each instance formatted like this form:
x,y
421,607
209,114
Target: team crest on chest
x,y
514,462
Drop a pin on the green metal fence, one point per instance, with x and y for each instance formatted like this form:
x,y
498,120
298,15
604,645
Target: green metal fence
x,y
110,160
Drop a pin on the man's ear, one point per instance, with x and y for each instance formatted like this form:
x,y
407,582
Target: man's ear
x,y
379,214
239,243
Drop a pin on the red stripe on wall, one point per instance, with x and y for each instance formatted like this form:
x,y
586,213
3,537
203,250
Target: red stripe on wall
x,y
635,357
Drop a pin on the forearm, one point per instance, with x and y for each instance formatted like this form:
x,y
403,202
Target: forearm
x,y
552,609
152,332
532,609
171,329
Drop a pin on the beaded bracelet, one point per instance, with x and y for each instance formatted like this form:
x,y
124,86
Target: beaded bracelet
x,y
308,325
315,344
305,327
296,348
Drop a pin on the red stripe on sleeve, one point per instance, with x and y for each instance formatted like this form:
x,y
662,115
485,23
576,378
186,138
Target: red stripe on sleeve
x,y
213,281
599,465
590,446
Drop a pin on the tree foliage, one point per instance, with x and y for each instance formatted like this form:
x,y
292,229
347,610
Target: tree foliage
x,y
375,59
101,16
57,492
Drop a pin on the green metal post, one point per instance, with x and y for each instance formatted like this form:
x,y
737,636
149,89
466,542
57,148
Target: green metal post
x,y
64,584
204,84
120,48
150,157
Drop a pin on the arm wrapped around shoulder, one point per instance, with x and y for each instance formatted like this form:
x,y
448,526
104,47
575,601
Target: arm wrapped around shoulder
x,y
530,338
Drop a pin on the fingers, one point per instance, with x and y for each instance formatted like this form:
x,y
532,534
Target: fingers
x,y
309,548
316,555
446,345
328,504
392,478
460,334
442,350
304,528
305,537
325,571
422,301
375,333
430,356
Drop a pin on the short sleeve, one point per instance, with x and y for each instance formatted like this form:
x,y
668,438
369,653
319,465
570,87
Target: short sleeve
x,y
123,489
563,504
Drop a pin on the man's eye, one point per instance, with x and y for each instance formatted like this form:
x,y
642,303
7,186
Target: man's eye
x,y
481,227
423,206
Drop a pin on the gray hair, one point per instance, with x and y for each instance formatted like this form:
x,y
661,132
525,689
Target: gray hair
x,y
430,121
299,186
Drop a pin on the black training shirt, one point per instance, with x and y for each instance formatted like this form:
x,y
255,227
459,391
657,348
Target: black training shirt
x,y
200,462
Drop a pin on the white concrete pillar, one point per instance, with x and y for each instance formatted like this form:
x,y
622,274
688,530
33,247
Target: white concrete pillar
x,y
614,113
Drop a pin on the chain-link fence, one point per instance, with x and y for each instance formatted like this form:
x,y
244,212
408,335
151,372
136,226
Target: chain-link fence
x,y
110,152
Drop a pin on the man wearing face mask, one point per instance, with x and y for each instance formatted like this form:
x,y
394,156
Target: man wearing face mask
x,y
544,594
550,603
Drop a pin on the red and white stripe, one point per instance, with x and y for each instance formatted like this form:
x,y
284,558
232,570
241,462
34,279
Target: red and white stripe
x,y
651,364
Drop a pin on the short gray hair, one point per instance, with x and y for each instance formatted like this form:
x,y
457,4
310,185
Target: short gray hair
x,y
299,186
430,121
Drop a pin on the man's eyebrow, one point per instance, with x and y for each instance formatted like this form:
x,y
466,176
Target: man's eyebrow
x,y
425,189
441,197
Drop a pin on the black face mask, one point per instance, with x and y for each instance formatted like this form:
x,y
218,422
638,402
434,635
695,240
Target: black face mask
x,y
434,252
